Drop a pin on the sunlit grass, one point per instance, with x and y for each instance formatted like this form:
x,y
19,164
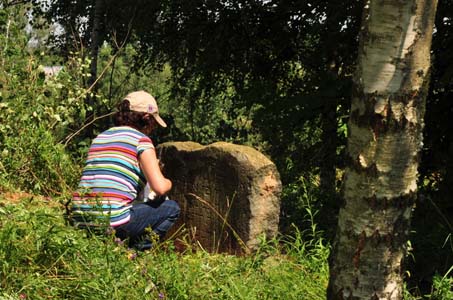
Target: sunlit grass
x,y
43,258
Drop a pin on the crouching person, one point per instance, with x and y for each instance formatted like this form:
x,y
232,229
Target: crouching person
x,y
121,160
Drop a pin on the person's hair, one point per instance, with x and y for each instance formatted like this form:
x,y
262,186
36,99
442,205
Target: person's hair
x,y
127,117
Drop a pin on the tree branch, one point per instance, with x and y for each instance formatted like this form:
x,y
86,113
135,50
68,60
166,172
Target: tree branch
x,y
17,2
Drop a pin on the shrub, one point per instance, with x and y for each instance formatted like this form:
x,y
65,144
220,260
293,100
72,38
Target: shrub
x,y
36,114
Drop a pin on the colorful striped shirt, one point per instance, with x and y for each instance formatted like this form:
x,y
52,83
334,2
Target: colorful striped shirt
x,y
111,178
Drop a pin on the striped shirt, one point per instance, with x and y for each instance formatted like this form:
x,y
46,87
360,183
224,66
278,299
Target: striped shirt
x,y
111,178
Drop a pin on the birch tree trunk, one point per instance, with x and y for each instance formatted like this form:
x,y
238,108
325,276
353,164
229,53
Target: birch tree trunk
x,y
384,141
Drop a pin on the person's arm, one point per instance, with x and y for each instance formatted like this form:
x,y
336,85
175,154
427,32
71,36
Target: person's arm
x,y
150,167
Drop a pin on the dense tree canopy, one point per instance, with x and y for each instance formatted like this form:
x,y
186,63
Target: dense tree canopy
x,y
274,74
284,67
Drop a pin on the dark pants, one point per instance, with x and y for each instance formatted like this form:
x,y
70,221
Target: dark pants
x,y
158,215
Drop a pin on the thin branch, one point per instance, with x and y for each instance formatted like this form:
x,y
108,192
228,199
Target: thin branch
x,y
69,137
17,2
112,59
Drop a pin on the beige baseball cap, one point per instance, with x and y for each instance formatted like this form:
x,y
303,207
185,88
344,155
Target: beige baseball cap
x,y
142,101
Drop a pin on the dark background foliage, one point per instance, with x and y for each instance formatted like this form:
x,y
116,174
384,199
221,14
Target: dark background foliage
x,y
275,75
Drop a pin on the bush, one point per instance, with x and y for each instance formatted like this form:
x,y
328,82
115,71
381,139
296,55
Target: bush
x,y
36,114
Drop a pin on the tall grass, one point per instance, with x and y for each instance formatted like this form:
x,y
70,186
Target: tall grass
x,y
43,258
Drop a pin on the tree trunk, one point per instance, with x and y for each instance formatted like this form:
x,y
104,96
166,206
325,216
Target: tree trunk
x,y
385,137
96,39
329,128
329,113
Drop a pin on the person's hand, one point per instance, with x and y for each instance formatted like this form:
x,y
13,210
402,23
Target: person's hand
x,y
154,198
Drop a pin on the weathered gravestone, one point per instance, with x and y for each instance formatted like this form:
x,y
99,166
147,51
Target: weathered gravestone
x,y
229,194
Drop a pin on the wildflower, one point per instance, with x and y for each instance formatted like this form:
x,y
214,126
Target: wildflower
x,y
109,231
132,255
23,296
118,241
161,296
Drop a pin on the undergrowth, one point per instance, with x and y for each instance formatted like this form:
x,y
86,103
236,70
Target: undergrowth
x,y
43,258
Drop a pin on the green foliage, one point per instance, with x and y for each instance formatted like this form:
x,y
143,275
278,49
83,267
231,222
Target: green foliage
x,y
302,206
36,114
121,75
251,72
41,257
442,289
191,113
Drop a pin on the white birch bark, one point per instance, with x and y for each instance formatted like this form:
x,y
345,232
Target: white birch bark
x,y
385,137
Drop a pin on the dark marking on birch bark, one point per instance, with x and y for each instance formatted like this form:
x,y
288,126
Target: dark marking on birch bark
x,y
360,246
387,121
375,238
400,202
355,165
356,282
